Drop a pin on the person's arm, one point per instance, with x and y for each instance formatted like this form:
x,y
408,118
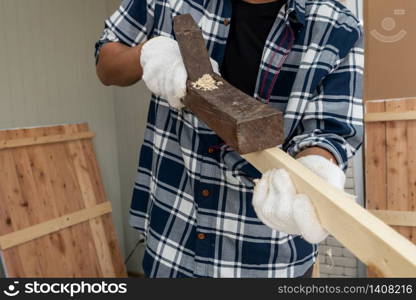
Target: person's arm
x,y
117,52
317,151
119,64
333,122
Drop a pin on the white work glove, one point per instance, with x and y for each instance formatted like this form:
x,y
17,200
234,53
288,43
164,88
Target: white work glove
x,y
278,206
164,71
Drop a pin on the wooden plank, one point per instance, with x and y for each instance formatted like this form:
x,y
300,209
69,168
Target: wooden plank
x,y
41,200
39,140
397,163
375,165
41,182
411,166
15,214
53,178
390,116
192,46
110,235
396,217
85,182
73,245
33,232
375,160
372,241
390,160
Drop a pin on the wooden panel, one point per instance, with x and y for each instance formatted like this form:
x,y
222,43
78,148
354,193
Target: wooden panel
x,y
43,182
397,163
390,161
35,231
411,166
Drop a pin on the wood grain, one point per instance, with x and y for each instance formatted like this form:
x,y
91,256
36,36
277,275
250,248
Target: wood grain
x,y
49,139
390,164
411,166
43,182
192,46
396,217
390,116
375,160
35,231
236,118
397,163
375,165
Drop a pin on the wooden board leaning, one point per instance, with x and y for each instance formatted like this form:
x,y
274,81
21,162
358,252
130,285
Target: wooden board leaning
x,y
55,219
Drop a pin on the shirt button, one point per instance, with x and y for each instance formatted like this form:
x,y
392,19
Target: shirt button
x,y
211,150
205,193
226,22
201,236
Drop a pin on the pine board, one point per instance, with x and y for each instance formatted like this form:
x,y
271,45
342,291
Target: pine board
x,y
390,162
41,182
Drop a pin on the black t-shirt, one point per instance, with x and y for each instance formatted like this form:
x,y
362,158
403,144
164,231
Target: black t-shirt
x,y
250,27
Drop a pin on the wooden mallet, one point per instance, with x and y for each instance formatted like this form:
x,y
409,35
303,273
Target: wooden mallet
x,y
243,123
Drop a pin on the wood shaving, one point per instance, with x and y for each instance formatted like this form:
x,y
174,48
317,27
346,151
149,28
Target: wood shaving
x,y
206,83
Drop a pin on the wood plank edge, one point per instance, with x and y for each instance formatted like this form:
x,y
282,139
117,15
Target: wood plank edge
x,y
390,116
49,139
36,231
396,217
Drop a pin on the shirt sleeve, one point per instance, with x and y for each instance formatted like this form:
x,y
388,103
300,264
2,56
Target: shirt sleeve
x,y
130,24
333,117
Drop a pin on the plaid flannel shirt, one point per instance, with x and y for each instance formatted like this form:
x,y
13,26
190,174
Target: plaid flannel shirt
x,y
192,196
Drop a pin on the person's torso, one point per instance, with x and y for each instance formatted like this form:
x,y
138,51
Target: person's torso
x,y
189,183
249,28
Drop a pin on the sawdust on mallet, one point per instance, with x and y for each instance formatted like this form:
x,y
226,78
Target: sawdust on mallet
x,y
206,83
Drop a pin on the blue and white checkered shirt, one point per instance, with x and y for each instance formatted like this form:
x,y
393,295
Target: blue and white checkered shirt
x,y
192,196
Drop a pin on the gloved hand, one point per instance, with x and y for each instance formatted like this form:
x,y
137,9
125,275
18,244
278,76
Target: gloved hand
x,y
278,206
164,71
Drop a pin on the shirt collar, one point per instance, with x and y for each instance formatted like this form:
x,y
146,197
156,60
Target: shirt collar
x,y
297,9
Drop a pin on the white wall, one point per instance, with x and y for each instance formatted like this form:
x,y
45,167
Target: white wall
x,y
130,107
47,76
